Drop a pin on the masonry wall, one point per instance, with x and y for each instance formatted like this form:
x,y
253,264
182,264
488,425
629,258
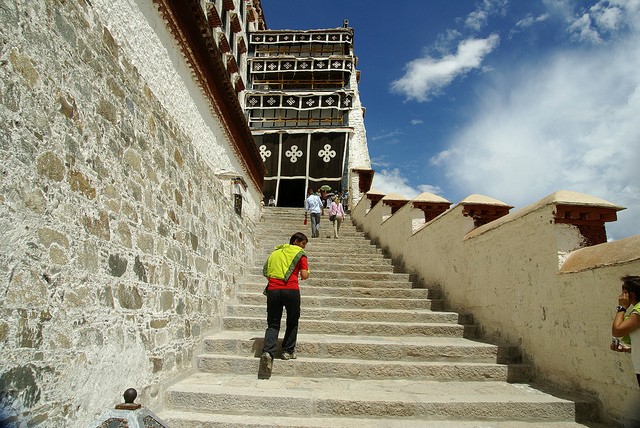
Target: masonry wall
x,y
118,245
358,149
529,282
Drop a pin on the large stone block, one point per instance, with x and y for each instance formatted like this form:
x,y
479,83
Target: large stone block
x,y
23,65
48,236
129,297
50,166
117,265
140,270
98,226
27,289
81,183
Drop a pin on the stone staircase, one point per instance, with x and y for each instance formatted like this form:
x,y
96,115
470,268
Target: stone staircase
x,y
373,351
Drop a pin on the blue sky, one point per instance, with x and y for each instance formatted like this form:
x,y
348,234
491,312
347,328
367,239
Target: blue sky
x,y
511,99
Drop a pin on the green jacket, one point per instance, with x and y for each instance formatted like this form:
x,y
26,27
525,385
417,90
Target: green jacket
x,y
282,261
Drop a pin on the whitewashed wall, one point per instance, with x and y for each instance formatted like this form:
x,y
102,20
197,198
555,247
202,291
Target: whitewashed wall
x,y
142,35
527,282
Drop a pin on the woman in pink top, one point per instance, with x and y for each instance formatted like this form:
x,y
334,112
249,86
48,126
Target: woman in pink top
x,y
336,210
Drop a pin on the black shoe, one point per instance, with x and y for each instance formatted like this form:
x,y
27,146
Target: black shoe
x,y
266,364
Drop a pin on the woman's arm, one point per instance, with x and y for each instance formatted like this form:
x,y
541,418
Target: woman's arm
x,y
620,326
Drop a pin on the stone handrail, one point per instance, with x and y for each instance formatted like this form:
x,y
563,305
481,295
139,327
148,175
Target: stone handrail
x,y
531,278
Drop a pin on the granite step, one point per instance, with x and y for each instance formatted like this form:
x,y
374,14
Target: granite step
x,y
387,315
324,265
362,328
311,367
373,350
347,275
319,247
209,420
382,348
396,399
333,258
348,302
282,236
316,281
321,291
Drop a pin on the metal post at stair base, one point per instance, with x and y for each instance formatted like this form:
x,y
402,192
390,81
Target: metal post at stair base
x,y
129,415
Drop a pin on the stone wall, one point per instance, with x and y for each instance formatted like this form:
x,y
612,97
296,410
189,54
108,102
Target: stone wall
x,y
358,148
528,280
119,244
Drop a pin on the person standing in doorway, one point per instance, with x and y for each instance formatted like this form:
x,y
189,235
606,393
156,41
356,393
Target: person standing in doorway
x,y
313,207
628,325
337,213
282,268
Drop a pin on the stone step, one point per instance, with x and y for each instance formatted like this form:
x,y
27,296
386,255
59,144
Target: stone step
x,y
412,399
387,315
210,420
320,291
346,276
373,351
316,281
382,348
286,222
362,328
298,221
357,369
317,246
364,260
326,266
348,302
281,236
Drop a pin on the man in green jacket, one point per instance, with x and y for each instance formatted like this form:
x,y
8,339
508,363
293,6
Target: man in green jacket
x,y
282,268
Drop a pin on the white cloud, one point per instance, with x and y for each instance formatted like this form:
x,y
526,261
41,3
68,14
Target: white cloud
x,y
388,136
417,121
531,20
479,18
582,30
607,18
603,19
392,181
476,20
567,122
430,189
427,76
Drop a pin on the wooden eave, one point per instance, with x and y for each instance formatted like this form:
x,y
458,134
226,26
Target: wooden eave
x,y
223,43
484,213
228,4
395,204
239,84
235,23
584,215
242,45
257,14
213,16
374,198
189,26
431,209
232,65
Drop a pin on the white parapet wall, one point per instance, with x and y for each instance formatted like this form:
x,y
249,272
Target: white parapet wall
x,y
530,278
